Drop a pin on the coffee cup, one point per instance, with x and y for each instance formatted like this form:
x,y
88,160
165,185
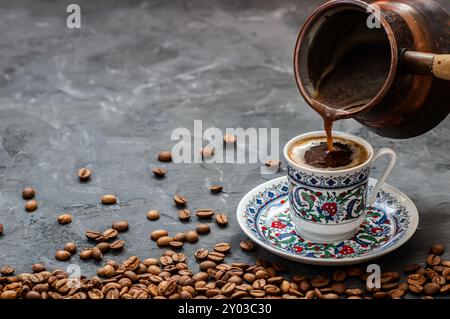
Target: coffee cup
x,y
328,204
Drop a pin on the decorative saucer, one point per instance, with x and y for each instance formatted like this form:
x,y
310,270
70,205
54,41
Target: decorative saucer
x,y
263,215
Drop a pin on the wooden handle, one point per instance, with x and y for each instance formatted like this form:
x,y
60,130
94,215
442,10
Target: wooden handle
x,y
441,66
437,65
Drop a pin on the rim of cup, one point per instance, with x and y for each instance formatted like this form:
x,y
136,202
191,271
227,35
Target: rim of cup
x,y
322,134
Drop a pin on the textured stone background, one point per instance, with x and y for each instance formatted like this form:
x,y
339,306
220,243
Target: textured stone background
x,y
109,95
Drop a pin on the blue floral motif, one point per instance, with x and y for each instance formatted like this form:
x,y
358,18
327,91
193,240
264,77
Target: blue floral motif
x,y
331,182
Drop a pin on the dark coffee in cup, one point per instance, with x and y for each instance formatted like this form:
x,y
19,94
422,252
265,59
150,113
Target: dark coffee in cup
x,y
314,152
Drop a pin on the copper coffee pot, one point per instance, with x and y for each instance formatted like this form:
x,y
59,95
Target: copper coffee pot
x,y
416,95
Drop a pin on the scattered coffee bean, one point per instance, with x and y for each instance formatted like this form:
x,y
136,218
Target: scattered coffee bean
x,y
201,254
28,193
65,219
246,245
71,248
1,229
222,247
275,164
191,236
207,152
31,205
416,279
165,156
411,268
202,229
221,219
92,234
62,255
205,265
86,254
437,249
431,288
180,237
38,268
84,174
164,241
120,226
320,281
155,235
176,244
184,214
97,254
103,246
159,172
7,270
229,139
180,200
109,200
204,213
339,275
153,214
355,271
433,260
117,245
215,189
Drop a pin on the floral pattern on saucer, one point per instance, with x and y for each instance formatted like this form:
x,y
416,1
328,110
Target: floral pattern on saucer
x,y
266,217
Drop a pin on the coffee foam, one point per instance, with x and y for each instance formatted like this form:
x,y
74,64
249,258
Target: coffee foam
x,y
297,150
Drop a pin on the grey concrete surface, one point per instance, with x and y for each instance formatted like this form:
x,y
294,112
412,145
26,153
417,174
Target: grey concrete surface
x,y
109,95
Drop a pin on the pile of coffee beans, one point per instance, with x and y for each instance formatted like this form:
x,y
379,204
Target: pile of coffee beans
x,y
169,277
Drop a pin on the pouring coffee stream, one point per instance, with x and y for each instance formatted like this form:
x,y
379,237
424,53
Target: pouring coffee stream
x,y
385,78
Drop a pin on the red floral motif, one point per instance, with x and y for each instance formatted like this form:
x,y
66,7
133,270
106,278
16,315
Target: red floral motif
x,y
318,193
330,208
376,230
346,250
298,249
313,197
278,224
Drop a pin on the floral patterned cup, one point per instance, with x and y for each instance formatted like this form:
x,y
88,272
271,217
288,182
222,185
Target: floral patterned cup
x,y
329,205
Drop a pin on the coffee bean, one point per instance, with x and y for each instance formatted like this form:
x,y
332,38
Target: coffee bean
x,y
31,205
381,295
222,247
389,277
153,214
437,249
228,288
221,219
430,289
433,260
216,256
62,255
179,237
110,234
417,289
274,164
411,268
97,254
84,174
164,241
117,245
355,271
155,235
416,279
338,287
201,254
445,263
38,267
165,156
92,234
354,292
167,287
184,214
339,275
202,229
319,281
246,245
438,280
165,260
95,294
132,263
180,200
8,294
159,172
446,273
71,248
176,244
120,226
216,189
33,295
205,265
28,193
1,229
229,139
86,254
65,219
109,200
207,152
103,246
7,270
204,213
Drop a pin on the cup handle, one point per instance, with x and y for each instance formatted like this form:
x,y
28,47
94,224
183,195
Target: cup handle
x,y
387,171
